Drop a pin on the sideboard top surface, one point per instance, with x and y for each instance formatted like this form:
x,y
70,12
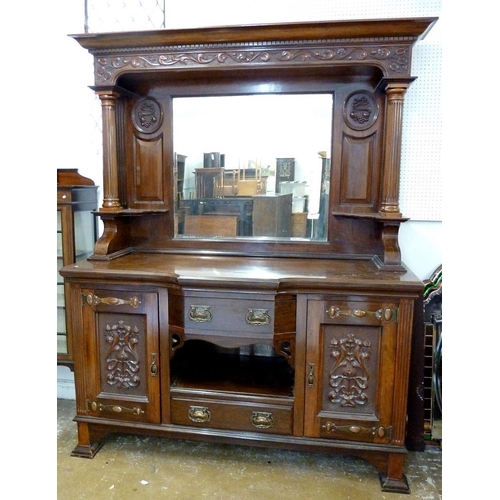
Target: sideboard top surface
x,y
279,274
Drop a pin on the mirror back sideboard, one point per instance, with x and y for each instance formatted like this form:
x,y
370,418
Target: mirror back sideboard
x,y
265,339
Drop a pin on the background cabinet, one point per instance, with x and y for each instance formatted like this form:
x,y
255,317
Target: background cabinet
x,y
76,235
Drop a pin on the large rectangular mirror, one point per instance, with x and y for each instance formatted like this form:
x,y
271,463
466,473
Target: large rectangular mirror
x,y
252,166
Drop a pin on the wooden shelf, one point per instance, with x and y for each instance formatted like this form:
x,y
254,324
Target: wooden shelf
x,y
201,366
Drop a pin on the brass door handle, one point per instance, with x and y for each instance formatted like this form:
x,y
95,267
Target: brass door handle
x,y
378,430
94,300
310,376
385,314
153,368
95,407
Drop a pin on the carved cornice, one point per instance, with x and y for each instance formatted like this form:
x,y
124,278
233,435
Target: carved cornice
x,y
378,30
392,60
385,43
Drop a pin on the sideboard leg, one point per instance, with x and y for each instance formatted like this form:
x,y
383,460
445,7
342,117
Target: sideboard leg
x,y
88,442
394,481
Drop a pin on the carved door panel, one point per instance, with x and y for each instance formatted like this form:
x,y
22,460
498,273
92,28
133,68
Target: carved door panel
x,y
121,341
350,369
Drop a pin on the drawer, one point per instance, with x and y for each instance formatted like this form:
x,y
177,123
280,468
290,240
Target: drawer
x,y
224,314
236,416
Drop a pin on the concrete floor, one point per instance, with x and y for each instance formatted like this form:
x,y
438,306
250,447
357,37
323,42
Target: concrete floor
x,y
131,467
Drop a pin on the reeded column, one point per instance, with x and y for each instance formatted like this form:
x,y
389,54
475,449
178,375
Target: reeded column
x,y
395,91
111,199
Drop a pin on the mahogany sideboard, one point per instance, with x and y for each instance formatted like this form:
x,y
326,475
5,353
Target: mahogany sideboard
x,y
299,343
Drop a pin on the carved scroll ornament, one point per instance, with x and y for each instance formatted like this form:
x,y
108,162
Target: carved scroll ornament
x,y
392,60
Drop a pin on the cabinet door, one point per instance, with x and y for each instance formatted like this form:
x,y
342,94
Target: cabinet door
x,y
357,369
121,355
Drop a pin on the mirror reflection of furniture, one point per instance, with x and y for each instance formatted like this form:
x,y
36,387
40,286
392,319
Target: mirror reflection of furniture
x,y
209,182
285,171
180,163
238,205
249,182
251,159
261,215
299,225
211,225
244,182
213,160
272,215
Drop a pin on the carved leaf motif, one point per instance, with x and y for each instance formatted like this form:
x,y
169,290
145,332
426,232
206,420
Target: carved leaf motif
x,y
122,360
349,376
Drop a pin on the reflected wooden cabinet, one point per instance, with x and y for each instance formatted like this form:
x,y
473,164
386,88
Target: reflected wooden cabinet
x,y
272,215
294,343
76,235
285,171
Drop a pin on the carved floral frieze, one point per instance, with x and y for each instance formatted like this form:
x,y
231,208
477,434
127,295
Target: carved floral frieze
x,y
393,60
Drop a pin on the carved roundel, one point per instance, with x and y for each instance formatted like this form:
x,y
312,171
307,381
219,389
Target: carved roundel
x,y
361,110
147,115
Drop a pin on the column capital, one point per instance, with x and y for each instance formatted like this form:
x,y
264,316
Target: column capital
x,y
387,84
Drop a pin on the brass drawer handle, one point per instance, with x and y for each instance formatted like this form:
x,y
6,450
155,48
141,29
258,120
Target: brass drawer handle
x,y
262,420
258,317
199,414
200,314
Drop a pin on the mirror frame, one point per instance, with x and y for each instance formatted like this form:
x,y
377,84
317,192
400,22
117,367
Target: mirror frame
x,y
375,55
237,191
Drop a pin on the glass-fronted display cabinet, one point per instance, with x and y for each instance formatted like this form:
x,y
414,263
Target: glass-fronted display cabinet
x,y
76,235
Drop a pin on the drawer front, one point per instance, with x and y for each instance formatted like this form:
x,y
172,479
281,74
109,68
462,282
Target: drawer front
x,y
229,315
237,416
